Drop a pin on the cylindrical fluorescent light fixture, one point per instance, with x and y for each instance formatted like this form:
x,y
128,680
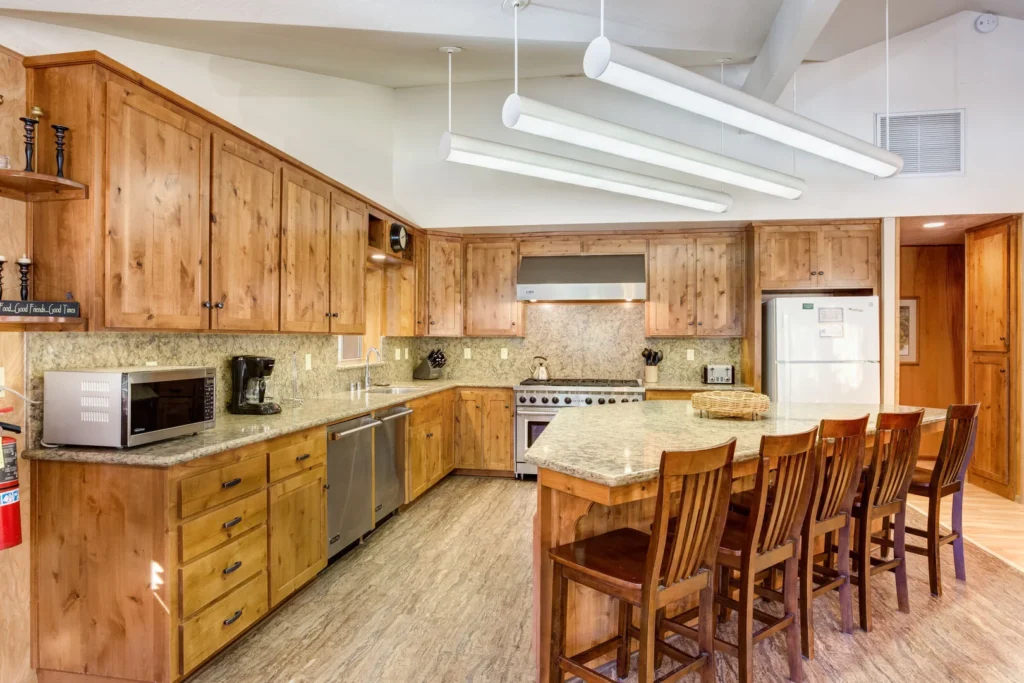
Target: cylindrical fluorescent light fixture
x,y
643,74
538,118
476,152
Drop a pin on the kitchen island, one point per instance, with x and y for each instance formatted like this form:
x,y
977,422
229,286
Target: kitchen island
x,y
598,471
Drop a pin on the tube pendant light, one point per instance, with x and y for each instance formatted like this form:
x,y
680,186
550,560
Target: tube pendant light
x,y
530,116
649,76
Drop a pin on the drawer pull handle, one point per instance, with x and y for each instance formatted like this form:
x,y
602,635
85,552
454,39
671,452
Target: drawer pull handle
x,y
233,618
232,522
304,456
234,567
234,482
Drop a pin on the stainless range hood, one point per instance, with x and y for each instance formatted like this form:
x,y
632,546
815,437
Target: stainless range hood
x,y
618,277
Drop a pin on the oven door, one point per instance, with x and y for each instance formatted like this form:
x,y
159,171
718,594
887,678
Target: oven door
x,y
162,404
530,422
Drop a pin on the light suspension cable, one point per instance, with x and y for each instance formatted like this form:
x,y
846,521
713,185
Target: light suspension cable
x,y
888,119
449,90
515,48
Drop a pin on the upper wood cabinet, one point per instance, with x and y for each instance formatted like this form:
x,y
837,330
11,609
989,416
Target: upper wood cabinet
x,y
349,225
400,301
158,220
245,236
818,257
444,287
988,256
697,286
305,253
550,246
614,245
491,308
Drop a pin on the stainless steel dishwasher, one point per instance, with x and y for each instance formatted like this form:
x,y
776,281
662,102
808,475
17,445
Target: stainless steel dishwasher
x,y
349,482
389,461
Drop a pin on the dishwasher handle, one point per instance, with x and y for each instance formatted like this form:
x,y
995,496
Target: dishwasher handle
x,y
336,436
407,411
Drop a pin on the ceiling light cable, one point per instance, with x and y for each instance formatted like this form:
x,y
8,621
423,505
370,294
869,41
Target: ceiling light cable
x,y
888,120
602,17
450,90
515,38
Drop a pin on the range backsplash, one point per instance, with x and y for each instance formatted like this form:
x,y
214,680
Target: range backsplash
x,y
589,341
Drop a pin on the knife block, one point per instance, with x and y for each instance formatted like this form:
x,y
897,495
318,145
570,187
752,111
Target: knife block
x,y
425,371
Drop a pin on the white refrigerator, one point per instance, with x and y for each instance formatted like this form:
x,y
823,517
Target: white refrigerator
x,y
822,350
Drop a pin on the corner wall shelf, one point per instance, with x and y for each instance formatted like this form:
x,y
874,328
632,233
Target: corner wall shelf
x,y
18,323
27,186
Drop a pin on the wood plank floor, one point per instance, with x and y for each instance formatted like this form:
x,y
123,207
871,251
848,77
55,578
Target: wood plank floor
x,y
442,593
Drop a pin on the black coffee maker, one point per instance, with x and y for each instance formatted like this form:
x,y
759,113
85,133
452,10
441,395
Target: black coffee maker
x,y
249,386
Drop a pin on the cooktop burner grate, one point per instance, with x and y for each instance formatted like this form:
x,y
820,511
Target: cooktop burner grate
x,y
561,382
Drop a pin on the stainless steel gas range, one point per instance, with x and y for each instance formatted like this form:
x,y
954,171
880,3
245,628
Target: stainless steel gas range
x,y
538,401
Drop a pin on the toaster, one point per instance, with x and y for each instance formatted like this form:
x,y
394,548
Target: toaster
x,y
719,374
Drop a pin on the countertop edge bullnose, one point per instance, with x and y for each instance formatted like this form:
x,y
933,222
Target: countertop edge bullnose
x,y
236,431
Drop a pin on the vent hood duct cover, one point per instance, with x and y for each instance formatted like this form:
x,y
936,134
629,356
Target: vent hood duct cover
x,y
582,278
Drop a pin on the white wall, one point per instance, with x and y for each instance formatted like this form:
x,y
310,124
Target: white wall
x,y
341,128
944,65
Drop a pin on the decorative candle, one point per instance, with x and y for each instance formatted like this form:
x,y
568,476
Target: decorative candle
x,y
23,265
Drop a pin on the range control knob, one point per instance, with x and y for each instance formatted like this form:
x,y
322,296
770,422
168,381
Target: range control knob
x,y
600,401
611,400
522,399
568,400
554,400
533,399
589,401
635,400
544,400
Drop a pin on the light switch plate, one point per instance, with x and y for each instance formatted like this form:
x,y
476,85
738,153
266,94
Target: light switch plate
x,y
151,364
504,354
467,353
309,361
398,354
689,354
407,353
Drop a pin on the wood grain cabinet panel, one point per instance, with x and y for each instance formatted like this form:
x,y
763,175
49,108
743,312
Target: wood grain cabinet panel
x,y
550,246
219,526
988,283
349,225
491,308
214,487
222,622
671,310
788,257
245,236
400,301
298,532
614,245
207,578
305,253
444,288
848,257
448,426
497,431
469,429
990,386
426,443
158,220
834,256
721,285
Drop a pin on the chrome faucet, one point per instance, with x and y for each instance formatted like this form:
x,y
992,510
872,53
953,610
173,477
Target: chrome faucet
x,y
366,382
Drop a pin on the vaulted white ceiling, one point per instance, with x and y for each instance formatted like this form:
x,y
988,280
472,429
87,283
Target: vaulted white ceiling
x,y
394,42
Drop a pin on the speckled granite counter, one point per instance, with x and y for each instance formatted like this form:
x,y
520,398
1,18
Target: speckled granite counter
x,y
234,431
695,386
620,445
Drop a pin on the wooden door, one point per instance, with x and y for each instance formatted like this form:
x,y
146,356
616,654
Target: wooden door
x,y
721,285
298,532
305,253
990,386
245,236
848,257
469,415
421,261
419,447
158,214
349,226
491,308
671,277
788,257
988,288
497,430
444,299
400,300
448,428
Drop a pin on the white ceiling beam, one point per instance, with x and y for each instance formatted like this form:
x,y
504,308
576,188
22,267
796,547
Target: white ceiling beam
x,y
794,31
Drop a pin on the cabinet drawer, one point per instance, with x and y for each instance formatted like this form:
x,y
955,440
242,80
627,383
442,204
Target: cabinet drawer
x,y
218,624
426,410
204,491
212,575
223,524
304,455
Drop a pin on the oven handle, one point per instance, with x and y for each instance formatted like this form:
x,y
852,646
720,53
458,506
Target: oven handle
x,y
527,411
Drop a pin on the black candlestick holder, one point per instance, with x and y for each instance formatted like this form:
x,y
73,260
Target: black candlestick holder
x,y
59,132
23,265
30,140
3,262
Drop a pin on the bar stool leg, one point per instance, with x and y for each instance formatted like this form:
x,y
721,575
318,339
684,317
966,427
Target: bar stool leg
x,y
648,631
845,590
958,544
806,596
622,657
900,552
724,578
559,600
887,535
934,570
706,633
790,599
658,633
864,571
745,630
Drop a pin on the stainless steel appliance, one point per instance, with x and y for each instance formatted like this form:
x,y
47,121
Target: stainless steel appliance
x,y
538,402
600,277
122,407
349,482
719,374
249,386
389,461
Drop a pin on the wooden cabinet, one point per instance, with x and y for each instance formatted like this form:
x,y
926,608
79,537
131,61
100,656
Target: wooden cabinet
x,y
697,286
550,246
469,429
788,257
990,386
484,429
614,245
839,256
988,256
298,531
245,236
848,257
491,308
158,221
448,416
400,301
444,287
305,253
349,225
430,454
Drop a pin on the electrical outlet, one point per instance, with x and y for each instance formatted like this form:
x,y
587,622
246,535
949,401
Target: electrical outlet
x,y
309,361
504,354
467,353
398,354
407,353
3,382
689,354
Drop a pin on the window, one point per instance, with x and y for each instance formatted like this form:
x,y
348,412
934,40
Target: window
x,y
350,348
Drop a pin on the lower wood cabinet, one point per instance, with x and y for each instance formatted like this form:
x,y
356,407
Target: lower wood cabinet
x,y
668,395
483,430
298,531
430,455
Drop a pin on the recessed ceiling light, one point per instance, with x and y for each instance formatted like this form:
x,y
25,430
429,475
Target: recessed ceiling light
x,y
533,301
934,224
378,257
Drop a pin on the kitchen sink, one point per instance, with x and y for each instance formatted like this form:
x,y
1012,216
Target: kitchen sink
x,y
392,390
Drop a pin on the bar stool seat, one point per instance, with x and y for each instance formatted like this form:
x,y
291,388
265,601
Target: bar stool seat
x,y
615,557
922,477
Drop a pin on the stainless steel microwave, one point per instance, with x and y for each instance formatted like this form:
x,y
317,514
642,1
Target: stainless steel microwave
x,y
123,407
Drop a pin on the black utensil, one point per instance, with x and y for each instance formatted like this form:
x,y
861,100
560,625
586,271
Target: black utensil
x,y
658,356
646,354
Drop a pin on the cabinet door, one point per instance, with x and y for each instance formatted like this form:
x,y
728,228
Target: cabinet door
x,y
497,430
614,245
305,253
554,246
448,428
469,416
245,236
400,301
445,288
298,532
671,279
419,447
158,214
990,386
721,285
988,288
421,261
491,307
349,225
848,257
788,257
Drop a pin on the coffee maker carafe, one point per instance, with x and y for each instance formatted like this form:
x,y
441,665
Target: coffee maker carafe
x,y
249,386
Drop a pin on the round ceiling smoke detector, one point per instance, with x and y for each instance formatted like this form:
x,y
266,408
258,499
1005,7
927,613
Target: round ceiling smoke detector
x,y
509,5
986,23
450,48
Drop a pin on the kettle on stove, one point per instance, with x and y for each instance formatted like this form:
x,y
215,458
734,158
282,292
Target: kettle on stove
x,y
539,371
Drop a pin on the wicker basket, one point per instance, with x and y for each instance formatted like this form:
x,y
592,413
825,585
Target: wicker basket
x,y
731,403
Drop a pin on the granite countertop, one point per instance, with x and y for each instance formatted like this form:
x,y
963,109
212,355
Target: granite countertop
x,y
234,431
622,444
695,386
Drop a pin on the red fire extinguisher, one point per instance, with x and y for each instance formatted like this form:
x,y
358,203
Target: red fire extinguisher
x,y
10,496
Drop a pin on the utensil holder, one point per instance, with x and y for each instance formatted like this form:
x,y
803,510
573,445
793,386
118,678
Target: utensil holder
x,y
650,374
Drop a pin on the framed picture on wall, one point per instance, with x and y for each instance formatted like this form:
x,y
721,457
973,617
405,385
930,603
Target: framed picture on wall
x,y
908,331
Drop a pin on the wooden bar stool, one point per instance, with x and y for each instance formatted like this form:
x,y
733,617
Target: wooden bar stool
x,y
947,479
884,494
765,538
652,571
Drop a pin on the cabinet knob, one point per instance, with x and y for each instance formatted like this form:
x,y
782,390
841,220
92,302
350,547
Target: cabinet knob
x,y
700,324
207,304
327,315
821,272
431,322
220,304
813,272
233,618
334,315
